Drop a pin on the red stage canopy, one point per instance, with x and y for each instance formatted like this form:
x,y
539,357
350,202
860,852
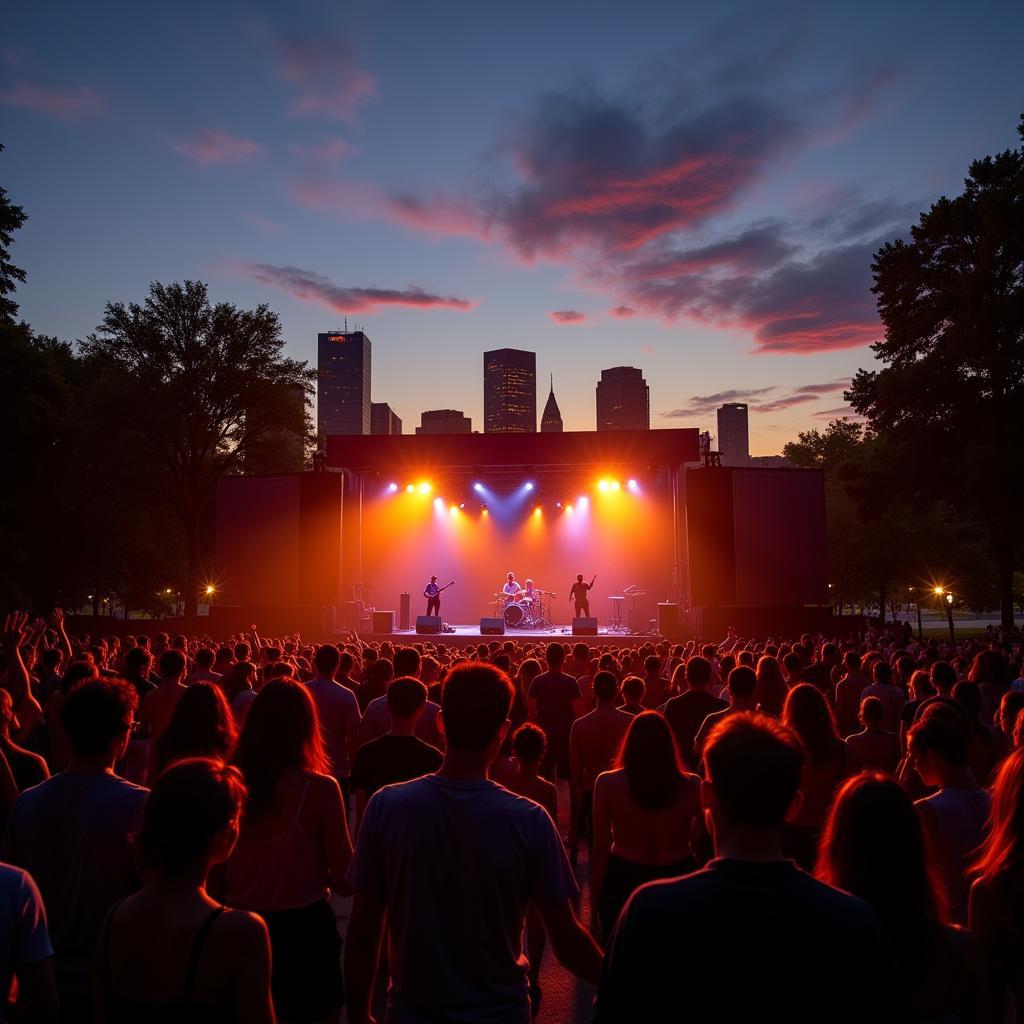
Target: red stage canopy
x,y
393,452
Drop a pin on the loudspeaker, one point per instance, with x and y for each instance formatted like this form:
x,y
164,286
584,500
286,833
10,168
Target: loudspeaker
x,y
383,622
403,610
637,621
492,627
669,621
584,627
428,623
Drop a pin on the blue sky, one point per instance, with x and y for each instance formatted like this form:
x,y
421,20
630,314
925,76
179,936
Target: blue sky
x,y
464,176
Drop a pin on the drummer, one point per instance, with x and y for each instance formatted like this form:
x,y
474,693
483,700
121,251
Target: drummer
x,y
529,594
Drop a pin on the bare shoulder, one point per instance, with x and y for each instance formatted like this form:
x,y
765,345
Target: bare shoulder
x,y
324,788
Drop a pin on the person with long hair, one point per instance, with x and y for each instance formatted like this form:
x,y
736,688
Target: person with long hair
x,y
169,952
807,713
770,692
294,849
201,726
938,963
645,817
996,903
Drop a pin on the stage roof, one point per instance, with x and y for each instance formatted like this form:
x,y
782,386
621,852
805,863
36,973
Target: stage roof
x,y
395,452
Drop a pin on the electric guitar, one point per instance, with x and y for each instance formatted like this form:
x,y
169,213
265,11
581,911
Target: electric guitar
x,y
440,591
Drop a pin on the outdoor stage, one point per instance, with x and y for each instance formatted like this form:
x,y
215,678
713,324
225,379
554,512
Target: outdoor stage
x,y
466,634
687,551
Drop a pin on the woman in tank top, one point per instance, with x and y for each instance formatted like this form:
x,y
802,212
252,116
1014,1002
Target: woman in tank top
x,y
293,851
646,813
169,953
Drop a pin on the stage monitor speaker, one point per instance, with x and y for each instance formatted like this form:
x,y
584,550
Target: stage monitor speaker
x,y
670,622
638,621
584,627
428,623
403,610
492,627
383,622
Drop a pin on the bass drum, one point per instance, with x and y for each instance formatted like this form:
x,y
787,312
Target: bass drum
x,y
514,615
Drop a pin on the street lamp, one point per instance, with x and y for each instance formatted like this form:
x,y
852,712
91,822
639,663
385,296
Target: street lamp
x,y
949,617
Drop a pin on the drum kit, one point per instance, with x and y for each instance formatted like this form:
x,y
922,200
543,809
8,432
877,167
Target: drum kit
x,y
523,611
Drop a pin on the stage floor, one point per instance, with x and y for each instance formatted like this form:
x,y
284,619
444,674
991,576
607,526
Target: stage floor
x,y
467,634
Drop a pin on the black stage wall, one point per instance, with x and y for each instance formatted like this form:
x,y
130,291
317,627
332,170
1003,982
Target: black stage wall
x,y
756,537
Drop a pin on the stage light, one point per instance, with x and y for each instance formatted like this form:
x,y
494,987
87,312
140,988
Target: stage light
x,y
568,508
438,504
392,488
603,485
583,502
484,510
425,488
462,504
409,488
529,485
453,509
536,510
478,487
558,504
616,486
633,486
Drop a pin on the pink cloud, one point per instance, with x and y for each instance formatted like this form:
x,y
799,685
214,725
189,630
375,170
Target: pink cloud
x,y
648,350
326,150
315,288
843,411
326,76
74,104
567,316
272,228
437,215
213,148
623,312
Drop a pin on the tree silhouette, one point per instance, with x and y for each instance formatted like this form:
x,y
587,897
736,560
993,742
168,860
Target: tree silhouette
x,y
201,387
952,391
11,218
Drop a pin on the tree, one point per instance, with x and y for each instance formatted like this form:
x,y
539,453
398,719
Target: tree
x,y
11,218
951,393
200,387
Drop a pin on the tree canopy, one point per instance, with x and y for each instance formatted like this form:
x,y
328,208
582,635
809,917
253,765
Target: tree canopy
x,y
948,400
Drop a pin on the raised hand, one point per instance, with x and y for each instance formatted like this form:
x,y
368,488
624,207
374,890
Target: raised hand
x,y
14,633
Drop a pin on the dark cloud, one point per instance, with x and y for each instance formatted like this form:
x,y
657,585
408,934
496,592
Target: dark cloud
x,y
311,287
598,172
703,405
623,312
567,316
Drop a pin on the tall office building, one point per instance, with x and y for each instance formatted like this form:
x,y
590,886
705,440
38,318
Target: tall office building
x,y
383,419
551,421
510,391
623,400
444,421
343,390
733,436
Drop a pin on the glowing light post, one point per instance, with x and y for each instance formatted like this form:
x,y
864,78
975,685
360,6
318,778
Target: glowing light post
x,y
941,592
209,590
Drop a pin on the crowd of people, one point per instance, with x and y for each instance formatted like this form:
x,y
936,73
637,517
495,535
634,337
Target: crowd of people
x,y
804,829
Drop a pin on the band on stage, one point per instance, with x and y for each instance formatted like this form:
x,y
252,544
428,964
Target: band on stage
x,y
523,606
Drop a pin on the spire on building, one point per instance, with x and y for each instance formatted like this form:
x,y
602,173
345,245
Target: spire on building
x,y
551,421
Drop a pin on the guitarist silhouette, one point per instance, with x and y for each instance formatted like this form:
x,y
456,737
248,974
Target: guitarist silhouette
x,y
432,592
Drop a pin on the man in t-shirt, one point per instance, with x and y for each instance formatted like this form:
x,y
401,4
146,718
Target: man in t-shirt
x,y
686,713
399,755
73,833
338,710
579,592
785,945
25,950
450,862
551,706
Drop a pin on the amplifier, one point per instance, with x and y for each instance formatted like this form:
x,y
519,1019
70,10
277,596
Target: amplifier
x,y
584,627
492,627
428,623
383,622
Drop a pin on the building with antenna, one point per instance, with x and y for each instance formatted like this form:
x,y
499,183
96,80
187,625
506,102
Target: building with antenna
x,y
551,421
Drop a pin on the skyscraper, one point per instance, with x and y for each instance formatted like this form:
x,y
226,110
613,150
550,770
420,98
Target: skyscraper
x,y
444,421
623,400
551,421
383,419
510,391
733,437
343,390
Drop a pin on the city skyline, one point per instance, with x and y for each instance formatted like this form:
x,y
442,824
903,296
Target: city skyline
x,y
736,170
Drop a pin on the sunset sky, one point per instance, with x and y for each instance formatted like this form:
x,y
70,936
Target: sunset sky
x,y
693,189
